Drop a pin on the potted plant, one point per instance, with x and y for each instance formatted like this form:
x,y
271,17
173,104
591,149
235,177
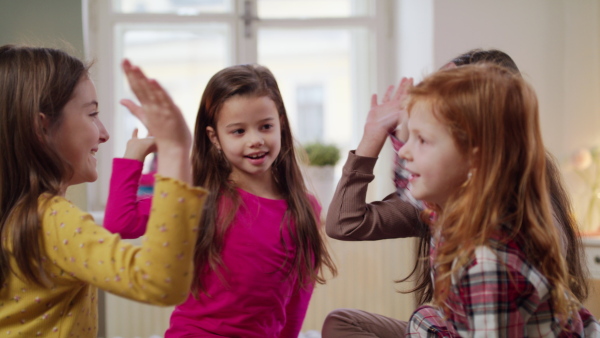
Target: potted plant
x,y
321,159
322,155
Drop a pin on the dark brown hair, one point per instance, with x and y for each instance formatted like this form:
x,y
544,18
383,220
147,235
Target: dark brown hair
x,y
32,81
212,170
562,211
494,56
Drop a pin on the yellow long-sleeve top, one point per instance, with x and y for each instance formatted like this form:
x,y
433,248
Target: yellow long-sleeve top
x,y
80,256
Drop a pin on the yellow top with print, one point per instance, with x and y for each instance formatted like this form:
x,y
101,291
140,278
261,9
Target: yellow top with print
x,y
80,256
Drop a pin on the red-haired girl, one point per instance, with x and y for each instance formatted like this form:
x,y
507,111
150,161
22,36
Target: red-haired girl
x,y
476,158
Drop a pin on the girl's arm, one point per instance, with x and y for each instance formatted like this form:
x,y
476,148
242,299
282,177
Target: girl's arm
x,y
351,218
296,311
157,272
125,213
297,306
499,293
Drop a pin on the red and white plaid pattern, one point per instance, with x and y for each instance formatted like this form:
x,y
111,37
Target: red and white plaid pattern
x,y
401,176
499,294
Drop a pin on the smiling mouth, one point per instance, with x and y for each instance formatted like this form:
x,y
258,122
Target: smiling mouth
x,y
256,156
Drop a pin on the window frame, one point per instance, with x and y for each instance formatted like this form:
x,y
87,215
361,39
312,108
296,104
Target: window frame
x,y
100,41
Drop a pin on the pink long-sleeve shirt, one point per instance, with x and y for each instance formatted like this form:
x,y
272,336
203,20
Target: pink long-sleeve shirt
x,y
256,297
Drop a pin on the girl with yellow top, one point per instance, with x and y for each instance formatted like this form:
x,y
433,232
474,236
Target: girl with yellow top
x,y
53,256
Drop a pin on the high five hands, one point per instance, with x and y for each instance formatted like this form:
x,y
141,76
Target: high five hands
x,y
164,121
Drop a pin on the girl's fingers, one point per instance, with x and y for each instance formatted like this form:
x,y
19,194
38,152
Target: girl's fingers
x,y
136,110
388,94
135,133
160,95
138,81
373,100
401,89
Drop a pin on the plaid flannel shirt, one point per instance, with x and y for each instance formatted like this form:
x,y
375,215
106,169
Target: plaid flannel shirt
x,y
499,294
401,176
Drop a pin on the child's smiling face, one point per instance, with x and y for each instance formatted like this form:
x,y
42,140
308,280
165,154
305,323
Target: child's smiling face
x,y
438,167
249,134
80,133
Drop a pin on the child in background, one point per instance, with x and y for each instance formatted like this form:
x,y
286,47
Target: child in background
x,y
53,256
261,250
476,158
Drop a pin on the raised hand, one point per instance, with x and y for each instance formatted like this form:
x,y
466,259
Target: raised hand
x,y
139,148
383,118
158,111
164,121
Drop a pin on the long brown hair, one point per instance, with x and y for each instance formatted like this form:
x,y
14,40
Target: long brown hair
x,y
492,115
212,170
32,81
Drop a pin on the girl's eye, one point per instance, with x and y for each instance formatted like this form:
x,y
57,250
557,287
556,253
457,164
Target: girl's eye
x,y
421,140
267,126
237,131
94,114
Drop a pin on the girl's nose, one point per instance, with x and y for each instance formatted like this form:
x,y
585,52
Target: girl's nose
x,y
404,152
257,141
104,136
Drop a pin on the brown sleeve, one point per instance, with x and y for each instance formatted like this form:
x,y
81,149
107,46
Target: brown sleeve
x,y
350,218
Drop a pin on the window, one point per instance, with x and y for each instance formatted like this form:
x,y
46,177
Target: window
x,y
309,101
328,57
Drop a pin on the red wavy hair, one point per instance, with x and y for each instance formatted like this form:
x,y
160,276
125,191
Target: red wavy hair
x,y
492,115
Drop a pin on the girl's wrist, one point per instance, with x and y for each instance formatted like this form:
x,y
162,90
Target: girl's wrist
x,y
370,145
133,156
174,162
174,148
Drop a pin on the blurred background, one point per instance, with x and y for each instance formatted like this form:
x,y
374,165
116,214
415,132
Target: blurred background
x,y
328,56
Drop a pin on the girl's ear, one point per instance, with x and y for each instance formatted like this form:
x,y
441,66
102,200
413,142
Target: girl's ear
x,y
44,121
212,136
473,160
42,126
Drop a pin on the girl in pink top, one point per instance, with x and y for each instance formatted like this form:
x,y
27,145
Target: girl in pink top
x,y
260,249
